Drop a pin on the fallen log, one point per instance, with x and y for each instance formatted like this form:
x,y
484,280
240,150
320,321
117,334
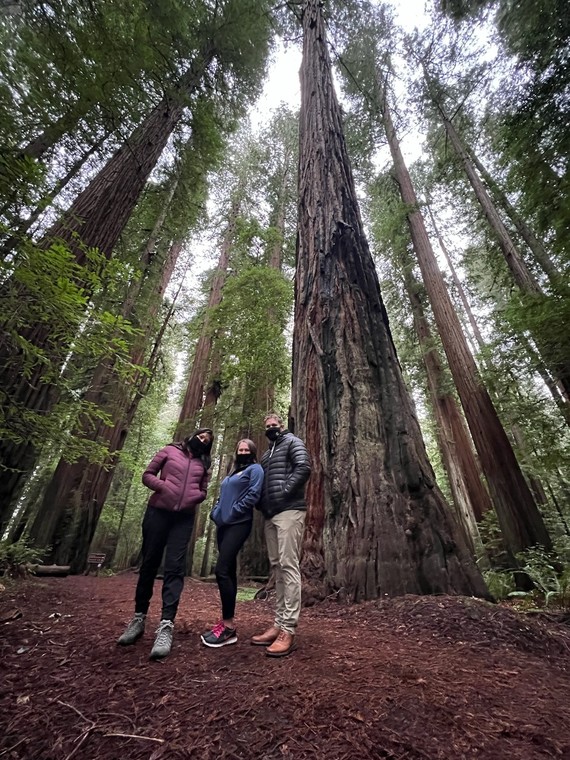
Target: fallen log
x,y
58,571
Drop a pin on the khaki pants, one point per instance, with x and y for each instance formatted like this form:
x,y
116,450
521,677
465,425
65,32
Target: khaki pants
x,y
284,534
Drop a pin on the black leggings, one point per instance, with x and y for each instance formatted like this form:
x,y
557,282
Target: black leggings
x,y
163,529
230,540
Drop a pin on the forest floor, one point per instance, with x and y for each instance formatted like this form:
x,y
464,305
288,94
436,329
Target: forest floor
x,y
413,677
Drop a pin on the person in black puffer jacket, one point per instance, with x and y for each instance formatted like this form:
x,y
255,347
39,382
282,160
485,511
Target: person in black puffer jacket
x,y
287,467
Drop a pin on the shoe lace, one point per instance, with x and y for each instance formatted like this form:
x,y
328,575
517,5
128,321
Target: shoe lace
x,y
282,635
134,624
163,633
218,629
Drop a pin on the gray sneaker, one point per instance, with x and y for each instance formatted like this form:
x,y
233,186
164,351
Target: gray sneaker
x,y
133,631
163,640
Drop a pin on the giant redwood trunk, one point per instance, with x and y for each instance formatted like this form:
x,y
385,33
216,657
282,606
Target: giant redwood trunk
x,y
521,523
385,526
95,219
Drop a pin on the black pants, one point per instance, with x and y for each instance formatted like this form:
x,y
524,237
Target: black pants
x,y
163,529
230,540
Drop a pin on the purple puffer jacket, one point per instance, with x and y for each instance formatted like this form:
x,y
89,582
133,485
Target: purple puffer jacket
x,y
183,481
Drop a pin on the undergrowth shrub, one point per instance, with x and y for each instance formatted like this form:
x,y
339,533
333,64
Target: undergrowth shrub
x,y
14,557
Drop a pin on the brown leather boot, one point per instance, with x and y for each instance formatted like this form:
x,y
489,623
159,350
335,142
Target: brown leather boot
x,y
283,645
267,637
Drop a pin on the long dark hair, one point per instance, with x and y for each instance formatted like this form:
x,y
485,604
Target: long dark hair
x,y
252,450
205,457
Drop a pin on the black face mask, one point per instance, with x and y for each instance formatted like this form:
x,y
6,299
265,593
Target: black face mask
x,y
244,459
273,433
197,447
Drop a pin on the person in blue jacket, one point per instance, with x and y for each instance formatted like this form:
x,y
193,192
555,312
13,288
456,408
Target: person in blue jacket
x,y
233,516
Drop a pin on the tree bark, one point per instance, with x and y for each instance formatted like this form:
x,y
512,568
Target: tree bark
x,y
24,226
457,282
556,390
519,518
374,509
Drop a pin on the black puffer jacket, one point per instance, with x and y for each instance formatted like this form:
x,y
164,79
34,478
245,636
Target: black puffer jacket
x,y
287,467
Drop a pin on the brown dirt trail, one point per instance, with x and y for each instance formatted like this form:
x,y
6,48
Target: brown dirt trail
x,y
416,677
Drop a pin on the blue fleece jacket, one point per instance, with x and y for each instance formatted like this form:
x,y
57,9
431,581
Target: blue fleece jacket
x,y
239,494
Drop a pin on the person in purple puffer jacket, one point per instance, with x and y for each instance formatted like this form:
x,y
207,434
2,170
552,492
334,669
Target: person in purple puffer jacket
x,y
167,524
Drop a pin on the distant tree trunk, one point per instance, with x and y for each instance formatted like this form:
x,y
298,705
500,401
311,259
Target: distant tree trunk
x,y
205,566
194,396
210,529
536,246
96,218
456,281
254,559
556,391
522,276
519,518
213,390
38,146
124,502
374,509
465,477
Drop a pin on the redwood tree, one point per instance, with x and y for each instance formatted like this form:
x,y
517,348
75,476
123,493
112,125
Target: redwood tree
x,y
520,520
385,526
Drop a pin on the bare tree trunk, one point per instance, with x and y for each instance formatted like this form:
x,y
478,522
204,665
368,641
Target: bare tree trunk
x,y
385,526
254,559
556,391
96,218
38,146
538,249
457,282
210,531
523,278
519,518
465,478
204,569
194,396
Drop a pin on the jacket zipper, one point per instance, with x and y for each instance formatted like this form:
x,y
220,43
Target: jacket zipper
x,y
266,480
177,507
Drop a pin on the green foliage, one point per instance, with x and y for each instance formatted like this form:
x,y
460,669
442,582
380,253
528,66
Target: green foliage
x,y
246,593
499,583
249,324
551,580
492,540
48,288
550,577
15,556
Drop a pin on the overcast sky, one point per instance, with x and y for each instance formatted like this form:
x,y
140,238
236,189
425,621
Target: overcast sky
x,y
282,85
